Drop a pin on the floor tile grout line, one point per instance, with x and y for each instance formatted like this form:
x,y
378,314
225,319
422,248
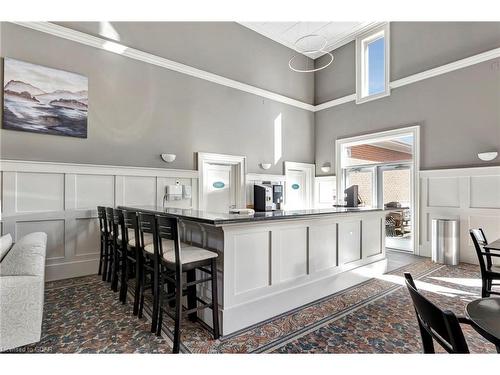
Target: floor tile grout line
x,y
320,324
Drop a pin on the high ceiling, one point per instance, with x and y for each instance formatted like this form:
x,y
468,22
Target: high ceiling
x,y
287,33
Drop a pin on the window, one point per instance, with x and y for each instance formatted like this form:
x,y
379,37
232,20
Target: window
x,y
372,65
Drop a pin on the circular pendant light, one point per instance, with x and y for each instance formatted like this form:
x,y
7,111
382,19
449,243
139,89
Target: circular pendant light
x,y
310,52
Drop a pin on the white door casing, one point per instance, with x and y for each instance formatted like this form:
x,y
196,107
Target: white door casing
x,y
299,188
226,168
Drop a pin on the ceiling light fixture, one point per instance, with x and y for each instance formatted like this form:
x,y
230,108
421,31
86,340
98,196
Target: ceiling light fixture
x,y
308,53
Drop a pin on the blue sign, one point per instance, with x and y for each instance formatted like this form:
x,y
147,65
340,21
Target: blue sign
x,y
295,186
218,184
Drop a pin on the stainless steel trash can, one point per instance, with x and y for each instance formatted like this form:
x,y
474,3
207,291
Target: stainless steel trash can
x,y
445,241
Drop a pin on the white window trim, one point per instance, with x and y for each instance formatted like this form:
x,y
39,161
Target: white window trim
x,y
361,42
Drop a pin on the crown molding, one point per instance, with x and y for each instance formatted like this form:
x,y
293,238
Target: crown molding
x,y
443,69
100,43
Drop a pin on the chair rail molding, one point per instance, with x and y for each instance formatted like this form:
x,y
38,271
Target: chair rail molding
x,y
100,43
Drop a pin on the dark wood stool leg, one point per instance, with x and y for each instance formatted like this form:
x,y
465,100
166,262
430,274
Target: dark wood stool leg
x,y
110,260
124,277
160,308
114,270
105,260
215,302
178,314
99,272
138,272
191,294
155,289
141,291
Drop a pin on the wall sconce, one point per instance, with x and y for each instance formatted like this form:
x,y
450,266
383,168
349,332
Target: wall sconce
x,y
168,158
265,166
487,156
326,167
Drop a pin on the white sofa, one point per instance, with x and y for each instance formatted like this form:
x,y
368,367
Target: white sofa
x,y
22,273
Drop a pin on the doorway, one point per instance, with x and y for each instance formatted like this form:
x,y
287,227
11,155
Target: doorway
x,y
385,168
221,181
299,185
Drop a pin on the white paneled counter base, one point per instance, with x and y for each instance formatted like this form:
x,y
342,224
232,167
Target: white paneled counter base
x,y
271,264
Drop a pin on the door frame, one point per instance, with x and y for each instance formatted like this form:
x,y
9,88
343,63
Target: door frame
x,y
240,164
415,190
310,170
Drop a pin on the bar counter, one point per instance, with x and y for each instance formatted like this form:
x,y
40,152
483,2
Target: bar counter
x,y
272,262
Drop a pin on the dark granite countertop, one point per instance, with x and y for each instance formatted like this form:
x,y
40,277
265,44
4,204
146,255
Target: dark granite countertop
x,y
219,219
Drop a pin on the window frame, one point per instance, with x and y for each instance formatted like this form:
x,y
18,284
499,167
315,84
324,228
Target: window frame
x,y
362,42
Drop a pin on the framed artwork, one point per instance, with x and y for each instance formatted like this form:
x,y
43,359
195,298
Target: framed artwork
x,y
44,100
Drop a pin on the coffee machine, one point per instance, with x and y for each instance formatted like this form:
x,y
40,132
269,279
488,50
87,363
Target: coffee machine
x,y
267,197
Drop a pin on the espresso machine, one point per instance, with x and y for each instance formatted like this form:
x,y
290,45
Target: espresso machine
x,y
267,197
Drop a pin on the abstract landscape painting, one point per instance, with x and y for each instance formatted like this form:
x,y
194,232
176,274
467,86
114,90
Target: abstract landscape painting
x,y
44,100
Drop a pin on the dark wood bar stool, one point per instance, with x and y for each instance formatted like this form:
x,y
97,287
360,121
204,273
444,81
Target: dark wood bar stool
x,y
105,254
489,272
111,245
172,259
147,237
134,253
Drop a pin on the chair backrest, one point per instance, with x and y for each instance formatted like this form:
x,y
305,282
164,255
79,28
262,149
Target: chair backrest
x,y
103,224
131,222
109,219
479,240
434,323
168,229
119,225
147,224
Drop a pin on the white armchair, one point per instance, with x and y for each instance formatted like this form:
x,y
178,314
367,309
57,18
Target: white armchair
x,y
22,273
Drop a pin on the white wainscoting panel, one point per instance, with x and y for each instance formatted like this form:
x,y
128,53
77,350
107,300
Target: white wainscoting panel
x,y
470,195
252,261
61,200
322,247
443,192
371,237
485,192
293,253
94,190
38,192
349,241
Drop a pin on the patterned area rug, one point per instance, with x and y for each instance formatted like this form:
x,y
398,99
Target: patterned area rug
x,y
84,316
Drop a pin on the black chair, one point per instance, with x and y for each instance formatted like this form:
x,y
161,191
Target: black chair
x,y
130,239
105,254
434,323
147,236
489,272
172,260
112,241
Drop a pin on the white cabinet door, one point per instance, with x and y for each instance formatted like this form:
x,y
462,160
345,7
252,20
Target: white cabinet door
x,y
218,188
296,190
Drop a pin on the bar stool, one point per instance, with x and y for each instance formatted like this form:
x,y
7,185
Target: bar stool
x,y
104,257
112,233
147,236
172,259
134,253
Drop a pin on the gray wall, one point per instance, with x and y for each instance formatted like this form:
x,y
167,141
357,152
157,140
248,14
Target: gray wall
x,y
459,114
225,48
137,111
459,111
415,47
